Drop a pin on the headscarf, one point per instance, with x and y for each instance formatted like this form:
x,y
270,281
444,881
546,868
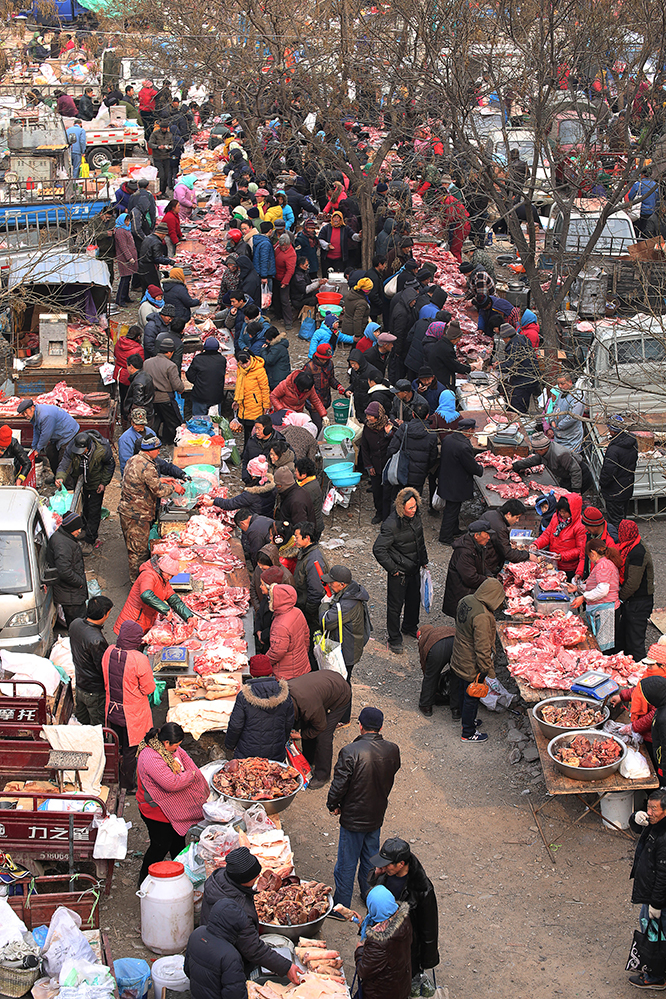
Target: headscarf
x,y
149,296
187,180
364,285
436,331
369,331
300,420
381,905
177,274
528,317
377,410
654,692
446,407
337,220
628,536
122,223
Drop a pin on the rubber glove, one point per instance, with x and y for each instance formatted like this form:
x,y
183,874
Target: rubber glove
x,y
642,819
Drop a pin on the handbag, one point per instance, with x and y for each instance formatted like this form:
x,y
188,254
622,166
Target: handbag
x,y
477,688
308,328
601,618
391,284
353,422
648,954
396,469
329,653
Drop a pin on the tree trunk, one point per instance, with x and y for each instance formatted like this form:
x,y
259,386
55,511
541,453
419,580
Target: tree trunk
x,y
367,226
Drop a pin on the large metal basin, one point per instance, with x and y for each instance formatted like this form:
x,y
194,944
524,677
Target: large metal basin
x,y
584,773
301,930
272,805
550,730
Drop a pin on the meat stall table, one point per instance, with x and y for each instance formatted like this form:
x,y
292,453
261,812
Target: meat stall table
x,y
494,500
557,783
530,694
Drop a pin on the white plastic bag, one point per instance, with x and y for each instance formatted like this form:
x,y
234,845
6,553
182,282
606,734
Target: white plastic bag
x,y
329,501
437,502
497,700
65,941
11,927
634,766
111,842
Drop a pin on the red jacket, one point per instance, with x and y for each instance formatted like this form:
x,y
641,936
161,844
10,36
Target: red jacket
x,y
285,263
147,97
149,578
290,635
173,225
123,349
531,331
138,683
570,542
286,396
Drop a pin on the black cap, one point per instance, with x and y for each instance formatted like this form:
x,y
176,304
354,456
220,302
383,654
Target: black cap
x,y
413,265
81,444
24,404
403,385
242,866
166,345
337,574
393,851
371,719
480,525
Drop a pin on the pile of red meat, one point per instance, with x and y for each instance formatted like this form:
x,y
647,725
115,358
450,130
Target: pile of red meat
x,y
519,578
62,395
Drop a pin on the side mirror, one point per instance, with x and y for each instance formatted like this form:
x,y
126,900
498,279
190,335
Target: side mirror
x,y
49,576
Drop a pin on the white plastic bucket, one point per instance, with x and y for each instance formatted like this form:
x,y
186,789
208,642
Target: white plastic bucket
x,y
168,973
617,806
167,908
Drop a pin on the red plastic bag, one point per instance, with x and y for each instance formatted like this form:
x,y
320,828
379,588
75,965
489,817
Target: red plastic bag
x,y
298,761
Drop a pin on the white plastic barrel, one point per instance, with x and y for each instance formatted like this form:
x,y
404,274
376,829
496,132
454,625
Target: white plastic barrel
x,y
617,806
167,908
168,974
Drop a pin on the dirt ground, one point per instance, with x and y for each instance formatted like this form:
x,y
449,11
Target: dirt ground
x,y
511,922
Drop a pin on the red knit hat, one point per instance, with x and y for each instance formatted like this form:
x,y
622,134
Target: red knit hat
x,y
657,653
272,575
5,435
592,517
324,351
260,666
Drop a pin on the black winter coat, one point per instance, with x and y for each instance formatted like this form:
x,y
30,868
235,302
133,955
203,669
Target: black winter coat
x,y
616,479
421,446
440,355
470,565
520,367
414,359
154,326
63,552
362,781
152,252
376,359
419,894
212,963
403,317
256,536
501,539
256,499
374,449
401,546
207,373
249,278
88,646
141,392
262,718
649,868
295,505
457,468
176,294
255,952
178,346
19,455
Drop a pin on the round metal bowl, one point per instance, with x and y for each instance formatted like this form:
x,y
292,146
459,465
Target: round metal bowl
x,y
272,805
301,930
550,730
584,773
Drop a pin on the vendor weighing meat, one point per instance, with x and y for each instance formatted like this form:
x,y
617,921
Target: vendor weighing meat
x,y
151,594
502,521
53,429
11,448
568,469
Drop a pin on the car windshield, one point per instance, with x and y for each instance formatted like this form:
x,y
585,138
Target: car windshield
x,y
615,236
572,132
15,576
635,351
524,146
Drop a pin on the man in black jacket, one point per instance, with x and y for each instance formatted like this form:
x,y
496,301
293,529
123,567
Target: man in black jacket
x,y
63,553
420,444
234,882
379,354
502,521
649,876
439,353
618,471
11,448
402,873
457,470
293,504
362,781
400,549
474,560
569,470
403,317
377,274
88,646
213,963
519,371
207,373
264,436
141,391
321,700
256,531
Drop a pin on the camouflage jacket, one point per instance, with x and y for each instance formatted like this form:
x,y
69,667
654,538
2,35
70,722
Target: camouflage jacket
x,y
141,488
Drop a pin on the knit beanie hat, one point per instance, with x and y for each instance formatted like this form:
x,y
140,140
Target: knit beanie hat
x,y
453,330
241,866
5,435
272,575
540,440
72,522
284,478
324,351
506,330
261,666
593,517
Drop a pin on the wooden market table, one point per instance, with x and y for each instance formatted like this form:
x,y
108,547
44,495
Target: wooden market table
x,y
530,694
557,783
494,500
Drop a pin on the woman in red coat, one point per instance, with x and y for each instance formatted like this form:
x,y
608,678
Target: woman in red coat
x,y
566,535
128,681
124,348
290,635
172,219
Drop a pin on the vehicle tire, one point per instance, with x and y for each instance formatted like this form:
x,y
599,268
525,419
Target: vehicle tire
x,y
98,156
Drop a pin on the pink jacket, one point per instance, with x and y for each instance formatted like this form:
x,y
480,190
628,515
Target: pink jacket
x,y
179,796
290,635
604,572
138,683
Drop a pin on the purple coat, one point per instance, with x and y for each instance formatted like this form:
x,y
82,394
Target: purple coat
x,y
126,252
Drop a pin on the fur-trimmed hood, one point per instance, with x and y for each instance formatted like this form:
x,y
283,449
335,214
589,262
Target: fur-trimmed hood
x,y
389,927
278,339
406,494
265,692
267,487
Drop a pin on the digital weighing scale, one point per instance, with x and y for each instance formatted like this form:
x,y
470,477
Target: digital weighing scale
x,y
172,660
595,684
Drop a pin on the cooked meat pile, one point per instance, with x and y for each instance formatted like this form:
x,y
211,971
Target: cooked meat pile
x,y
575,714
583,753
256,778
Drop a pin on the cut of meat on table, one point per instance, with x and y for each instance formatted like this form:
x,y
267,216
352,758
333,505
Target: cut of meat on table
x,y
559,668
509,490
203,531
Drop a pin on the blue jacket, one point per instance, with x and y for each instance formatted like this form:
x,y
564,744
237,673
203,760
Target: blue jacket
x,y
263,256
431,395
648,190
126,450
288,215
255,344
50,423
304,249
76,136
324,335
176,294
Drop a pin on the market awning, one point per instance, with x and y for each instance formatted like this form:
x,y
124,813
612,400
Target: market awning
x,y
58,268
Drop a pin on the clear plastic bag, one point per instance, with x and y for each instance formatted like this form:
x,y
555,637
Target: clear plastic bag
x,y
217,841
65,941
257,821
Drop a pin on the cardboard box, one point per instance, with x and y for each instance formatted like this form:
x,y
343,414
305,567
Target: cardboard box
x,y
134,161
191,455
648,249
